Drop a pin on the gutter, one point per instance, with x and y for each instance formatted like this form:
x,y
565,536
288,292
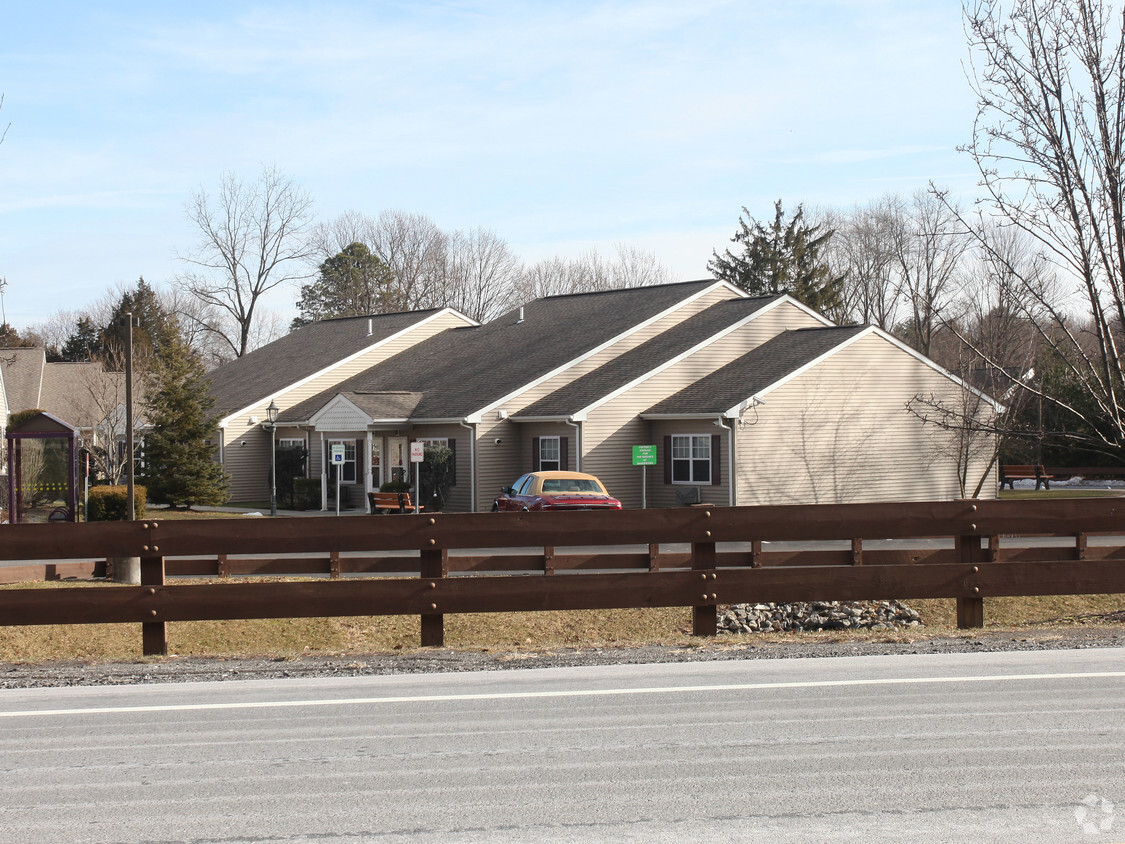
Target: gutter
x,y
472,428
577,426
731,478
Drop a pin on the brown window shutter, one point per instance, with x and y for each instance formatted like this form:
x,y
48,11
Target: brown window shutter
x,y
452,462
535,454
668,460
564,454
716,459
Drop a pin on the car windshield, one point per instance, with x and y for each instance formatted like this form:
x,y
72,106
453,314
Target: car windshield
x,y
570,485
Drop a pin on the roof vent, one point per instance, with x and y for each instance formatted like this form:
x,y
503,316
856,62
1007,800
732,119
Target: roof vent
x,y
518,321
370,327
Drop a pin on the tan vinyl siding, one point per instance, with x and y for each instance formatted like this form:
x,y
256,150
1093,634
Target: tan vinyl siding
x,y
497,464
841,432
459,493
609,455
661,494
612,429
623,345
242,465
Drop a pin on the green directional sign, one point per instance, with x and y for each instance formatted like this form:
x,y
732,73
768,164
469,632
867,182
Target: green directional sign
x,y
644,455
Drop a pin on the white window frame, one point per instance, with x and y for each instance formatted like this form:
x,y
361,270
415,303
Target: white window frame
x,y
544,459
349,446
697,446
296,442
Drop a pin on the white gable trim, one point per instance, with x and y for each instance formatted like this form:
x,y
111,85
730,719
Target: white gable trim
x,y
478,416
335,404
278,393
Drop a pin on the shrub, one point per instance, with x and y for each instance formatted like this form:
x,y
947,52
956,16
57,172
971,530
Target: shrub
x,y
111,503
436,476
306,493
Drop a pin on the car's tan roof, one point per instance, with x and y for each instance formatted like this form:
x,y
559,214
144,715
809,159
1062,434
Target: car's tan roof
x,y
554,473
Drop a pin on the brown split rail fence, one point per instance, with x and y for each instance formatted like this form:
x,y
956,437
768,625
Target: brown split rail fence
x,y
431,565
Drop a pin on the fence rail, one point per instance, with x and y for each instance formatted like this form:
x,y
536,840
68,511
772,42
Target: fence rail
x,y
431,565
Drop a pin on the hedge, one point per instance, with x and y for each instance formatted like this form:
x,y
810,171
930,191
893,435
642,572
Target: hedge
x,y
111,503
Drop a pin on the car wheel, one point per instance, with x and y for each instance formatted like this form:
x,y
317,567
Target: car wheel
x,y
495,507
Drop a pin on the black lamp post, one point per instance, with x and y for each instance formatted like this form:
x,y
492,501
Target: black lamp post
x,y
271,413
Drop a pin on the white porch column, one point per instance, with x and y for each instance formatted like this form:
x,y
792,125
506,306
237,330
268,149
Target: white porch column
x,y
370,474
323,475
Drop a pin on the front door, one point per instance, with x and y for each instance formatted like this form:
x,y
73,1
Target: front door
x,y
376,462
396,458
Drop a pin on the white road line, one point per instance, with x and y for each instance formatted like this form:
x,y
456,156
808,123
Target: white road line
x,y
655,690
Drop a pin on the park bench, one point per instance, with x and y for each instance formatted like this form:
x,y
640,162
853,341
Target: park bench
x,y
1018,472
391,502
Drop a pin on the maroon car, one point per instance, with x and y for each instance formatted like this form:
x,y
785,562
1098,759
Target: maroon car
x,y
555,491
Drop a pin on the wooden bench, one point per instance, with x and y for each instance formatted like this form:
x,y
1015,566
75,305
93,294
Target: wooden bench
x,y
391,502
1018,472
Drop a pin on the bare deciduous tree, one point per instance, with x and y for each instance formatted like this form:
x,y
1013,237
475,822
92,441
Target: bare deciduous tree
x,y
864,252
482,274
252,239
4,134
591,272
1048,142
930,243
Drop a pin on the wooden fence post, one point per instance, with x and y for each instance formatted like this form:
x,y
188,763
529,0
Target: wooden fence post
x,y
154,634
704,617
434,566
970,611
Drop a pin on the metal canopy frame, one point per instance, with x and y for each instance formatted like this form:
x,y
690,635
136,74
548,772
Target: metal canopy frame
x,y
41,426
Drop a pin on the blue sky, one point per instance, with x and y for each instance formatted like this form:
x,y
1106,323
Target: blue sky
x,y
561,126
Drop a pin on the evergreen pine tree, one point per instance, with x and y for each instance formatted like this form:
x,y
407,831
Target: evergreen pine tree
x,y
178,465
84,344
354,282
781,258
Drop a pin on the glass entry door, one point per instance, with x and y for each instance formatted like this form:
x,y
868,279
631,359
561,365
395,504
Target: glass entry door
x,y
396,458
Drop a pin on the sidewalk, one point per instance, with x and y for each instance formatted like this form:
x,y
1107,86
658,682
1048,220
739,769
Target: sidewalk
x,y
265,511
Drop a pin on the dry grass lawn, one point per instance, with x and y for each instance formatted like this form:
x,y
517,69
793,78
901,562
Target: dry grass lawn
x,y
501,631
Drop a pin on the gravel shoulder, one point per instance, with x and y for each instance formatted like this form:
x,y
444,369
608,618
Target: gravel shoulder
x,y
195,669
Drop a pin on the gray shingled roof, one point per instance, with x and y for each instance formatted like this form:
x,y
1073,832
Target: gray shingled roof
x,y
756,370
385,405
463,370
81,394
85,394
23,377
584,391
299,354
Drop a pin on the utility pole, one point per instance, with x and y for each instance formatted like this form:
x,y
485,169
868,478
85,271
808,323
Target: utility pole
x,y
129,321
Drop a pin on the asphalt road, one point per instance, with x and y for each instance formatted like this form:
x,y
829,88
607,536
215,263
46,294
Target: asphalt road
x,y
979,747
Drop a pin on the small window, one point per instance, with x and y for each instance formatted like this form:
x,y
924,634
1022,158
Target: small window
x,y
691,459
297,446
550,458
347,468
444,442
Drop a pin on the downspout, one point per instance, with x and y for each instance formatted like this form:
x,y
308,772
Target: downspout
x,y
730,449
472,429
577,426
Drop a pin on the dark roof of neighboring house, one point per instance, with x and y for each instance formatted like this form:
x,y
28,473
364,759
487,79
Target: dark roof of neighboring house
x,y
462,370
299,354
21,372
756,370
81,394
584,391
86,394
